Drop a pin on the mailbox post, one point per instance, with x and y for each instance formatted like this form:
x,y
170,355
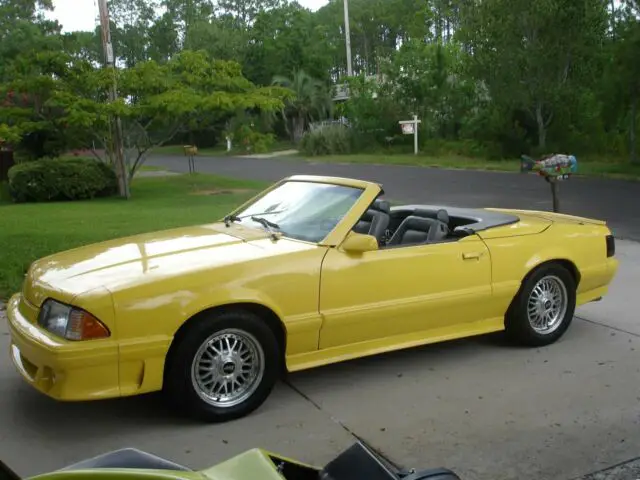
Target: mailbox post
x,y
554,193
191,151
409,127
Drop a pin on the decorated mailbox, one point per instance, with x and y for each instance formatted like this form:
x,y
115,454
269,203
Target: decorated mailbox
x,y
553,168
556,166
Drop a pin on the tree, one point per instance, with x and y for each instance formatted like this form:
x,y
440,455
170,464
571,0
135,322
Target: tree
x,y
311,100
283,40
220,39
533,55
628,69
244,12
428,80
190,91
33,82
63,99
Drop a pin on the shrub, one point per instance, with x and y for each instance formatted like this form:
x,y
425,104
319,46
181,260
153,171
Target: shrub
x,y
329,140
257,142
61,179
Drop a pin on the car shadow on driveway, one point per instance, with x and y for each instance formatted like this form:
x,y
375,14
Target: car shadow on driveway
x,y
151,411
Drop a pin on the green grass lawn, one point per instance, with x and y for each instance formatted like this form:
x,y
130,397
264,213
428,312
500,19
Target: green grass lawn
x,y
586,166
31,231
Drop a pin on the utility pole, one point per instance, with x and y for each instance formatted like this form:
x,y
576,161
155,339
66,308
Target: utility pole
x,y
117,146
347,35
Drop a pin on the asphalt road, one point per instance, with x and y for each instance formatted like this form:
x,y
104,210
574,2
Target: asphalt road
x,y
479,406
616,201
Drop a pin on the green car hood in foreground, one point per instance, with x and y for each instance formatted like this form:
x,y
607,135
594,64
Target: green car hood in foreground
x,y
358,462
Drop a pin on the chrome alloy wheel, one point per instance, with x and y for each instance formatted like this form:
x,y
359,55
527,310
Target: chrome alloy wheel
x,y
547,305
227,368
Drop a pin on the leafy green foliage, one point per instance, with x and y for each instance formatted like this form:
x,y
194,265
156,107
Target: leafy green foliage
x,y
372,111
514,76
57,101
61,179
310,100
190,92
285,40
328,140
534,57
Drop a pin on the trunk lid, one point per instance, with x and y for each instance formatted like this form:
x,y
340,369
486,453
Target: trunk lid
x,y
527,225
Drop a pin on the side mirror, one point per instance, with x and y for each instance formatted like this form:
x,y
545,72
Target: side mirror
x,y
359,243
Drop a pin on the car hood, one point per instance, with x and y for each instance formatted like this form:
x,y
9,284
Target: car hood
x,y
125,261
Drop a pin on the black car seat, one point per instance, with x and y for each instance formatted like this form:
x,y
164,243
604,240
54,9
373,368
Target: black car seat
x,y
375,220
416,230
442,216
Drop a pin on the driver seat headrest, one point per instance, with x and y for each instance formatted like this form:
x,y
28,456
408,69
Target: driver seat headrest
x,y
382,206
443,216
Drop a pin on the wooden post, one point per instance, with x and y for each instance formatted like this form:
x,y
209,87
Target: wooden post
x,y
414,129
415,134
118,145
347,38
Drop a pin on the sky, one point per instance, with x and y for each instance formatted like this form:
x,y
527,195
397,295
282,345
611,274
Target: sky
x,y
82,14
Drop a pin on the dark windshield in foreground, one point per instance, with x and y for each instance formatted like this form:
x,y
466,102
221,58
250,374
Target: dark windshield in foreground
x,y
6,473
306,211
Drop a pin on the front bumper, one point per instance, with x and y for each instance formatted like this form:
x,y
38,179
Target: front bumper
x,y
61,369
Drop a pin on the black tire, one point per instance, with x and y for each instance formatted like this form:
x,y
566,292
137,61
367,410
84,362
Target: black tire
x,y
181,384
518,325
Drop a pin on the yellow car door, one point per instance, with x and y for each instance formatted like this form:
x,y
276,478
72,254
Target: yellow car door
x,y
405,294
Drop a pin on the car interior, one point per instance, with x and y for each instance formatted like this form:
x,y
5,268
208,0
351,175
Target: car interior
x,y
410,226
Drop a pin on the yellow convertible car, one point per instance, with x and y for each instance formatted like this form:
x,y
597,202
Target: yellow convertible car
x,y
313,270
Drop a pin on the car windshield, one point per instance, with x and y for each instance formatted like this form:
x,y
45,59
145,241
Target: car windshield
x,y
306,211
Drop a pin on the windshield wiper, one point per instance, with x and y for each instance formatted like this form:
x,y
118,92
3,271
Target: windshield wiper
x,y
234,218
268,225
230,218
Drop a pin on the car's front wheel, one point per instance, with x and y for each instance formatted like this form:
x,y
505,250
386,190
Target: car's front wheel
x,y
224,367
543,308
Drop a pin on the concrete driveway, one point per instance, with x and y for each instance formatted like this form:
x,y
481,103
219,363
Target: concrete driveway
x,y
479,406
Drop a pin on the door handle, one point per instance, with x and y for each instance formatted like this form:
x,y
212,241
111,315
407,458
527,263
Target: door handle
x,y
471,255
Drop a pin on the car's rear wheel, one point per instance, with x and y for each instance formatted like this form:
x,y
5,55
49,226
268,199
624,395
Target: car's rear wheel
x,y
543,308
224,366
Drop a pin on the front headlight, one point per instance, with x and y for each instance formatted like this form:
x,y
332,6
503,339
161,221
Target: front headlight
x,y
70,322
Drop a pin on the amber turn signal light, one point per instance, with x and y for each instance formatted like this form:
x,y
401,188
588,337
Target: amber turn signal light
x,y
84,326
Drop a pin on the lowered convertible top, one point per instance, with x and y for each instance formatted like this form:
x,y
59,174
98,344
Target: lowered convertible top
x,y
474,219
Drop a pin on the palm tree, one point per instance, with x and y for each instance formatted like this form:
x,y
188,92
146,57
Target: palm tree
x,y
312,100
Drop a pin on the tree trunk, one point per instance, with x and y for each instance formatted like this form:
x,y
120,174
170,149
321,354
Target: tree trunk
x,y
298,129
633,149
542,128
